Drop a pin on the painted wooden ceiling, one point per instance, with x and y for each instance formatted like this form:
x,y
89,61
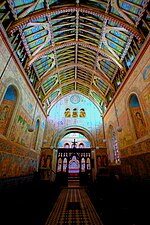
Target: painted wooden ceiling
x,y
77,46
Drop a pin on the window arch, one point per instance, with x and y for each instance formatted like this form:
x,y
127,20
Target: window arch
x,y
83,165
88,164
81,145
7,108
59,166
114,143
137,116
64,164
66,145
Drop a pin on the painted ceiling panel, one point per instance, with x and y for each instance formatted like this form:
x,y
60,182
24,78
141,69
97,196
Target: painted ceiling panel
x,y
78,46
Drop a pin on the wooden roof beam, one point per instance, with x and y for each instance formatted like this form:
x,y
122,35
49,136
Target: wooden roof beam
x,y
94,88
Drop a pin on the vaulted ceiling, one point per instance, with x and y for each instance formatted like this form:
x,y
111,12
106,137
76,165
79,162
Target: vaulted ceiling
x,y
80,46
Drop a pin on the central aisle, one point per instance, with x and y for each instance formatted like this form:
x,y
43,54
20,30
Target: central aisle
x,y
73,206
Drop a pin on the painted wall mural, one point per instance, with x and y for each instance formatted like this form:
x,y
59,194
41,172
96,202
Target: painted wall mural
x,y
133,104
79,110
19,133
75,113
6,109
17,106
136,165
126,137
15,160
73,110
137,116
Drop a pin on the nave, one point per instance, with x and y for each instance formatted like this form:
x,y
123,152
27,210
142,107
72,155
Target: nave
x,y
107,201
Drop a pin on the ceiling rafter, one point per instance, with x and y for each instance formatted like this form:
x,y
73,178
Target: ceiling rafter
x,y
80,43
53,42
84,9
94,88
98,74
94,42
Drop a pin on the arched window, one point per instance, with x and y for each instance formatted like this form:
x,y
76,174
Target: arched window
x,y
88,164
59,166
7,108
137,117
116,157
81,145
83,165
64,164
66,145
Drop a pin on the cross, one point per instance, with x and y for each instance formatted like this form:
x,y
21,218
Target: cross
x,y
74,143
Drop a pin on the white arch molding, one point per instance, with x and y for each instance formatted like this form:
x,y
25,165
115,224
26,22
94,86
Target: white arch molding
x,y
71,129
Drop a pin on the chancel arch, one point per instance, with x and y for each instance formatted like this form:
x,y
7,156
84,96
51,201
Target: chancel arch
x,y
75,161
73,129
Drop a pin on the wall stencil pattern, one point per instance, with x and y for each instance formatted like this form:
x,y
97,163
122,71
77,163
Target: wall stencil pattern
x,y
136,166
16,161
138,148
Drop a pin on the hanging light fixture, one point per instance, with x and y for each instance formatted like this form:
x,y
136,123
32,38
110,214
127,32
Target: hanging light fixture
x,y
119,128
44,141
31,127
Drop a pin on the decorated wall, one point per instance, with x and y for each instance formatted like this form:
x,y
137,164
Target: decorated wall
x,y
132,108
74,110
19,149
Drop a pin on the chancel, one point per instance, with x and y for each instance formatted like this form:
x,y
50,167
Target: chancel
x,y
74,112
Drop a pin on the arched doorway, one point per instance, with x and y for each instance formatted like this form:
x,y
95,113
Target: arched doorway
x,y
75,161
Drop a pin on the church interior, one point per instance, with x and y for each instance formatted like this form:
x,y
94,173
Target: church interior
x,y
75,112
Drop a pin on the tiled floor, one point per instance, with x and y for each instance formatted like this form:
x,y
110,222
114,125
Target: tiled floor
x,y
73,206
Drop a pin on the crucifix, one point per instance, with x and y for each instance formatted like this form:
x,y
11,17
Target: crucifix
x,y
74,143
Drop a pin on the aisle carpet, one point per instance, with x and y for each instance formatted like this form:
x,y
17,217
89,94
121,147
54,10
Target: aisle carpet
x,y
73,206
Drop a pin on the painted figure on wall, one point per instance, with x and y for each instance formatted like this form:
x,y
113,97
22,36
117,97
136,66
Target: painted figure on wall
x,y
20,132
138,120
82,113
6,109
140,123
13,165
4,113
75,113
67,112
